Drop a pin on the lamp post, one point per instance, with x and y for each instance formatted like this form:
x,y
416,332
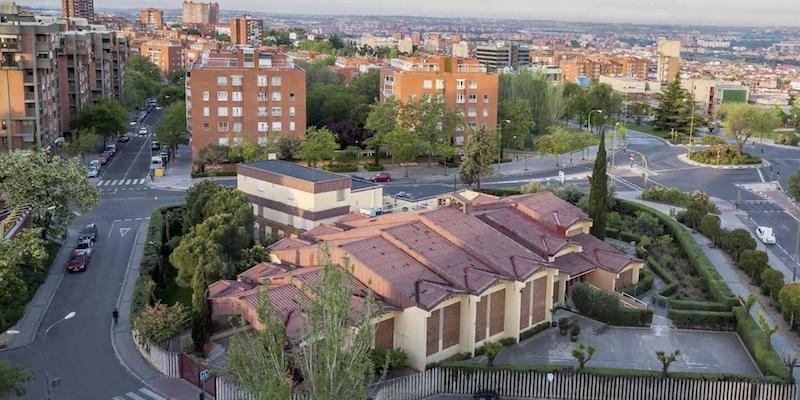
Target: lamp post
x,y
590,118
500,149
691,128
48,382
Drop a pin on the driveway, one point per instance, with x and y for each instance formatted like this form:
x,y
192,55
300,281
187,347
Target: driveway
x,y
634,348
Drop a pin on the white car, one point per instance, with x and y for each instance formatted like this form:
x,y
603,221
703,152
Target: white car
x,y
143,131
93,171
765,234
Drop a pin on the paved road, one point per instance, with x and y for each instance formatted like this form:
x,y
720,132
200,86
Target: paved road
x,y
79,351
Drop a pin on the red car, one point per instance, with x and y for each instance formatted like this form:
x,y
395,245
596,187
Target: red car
x,y
78,263
381,177
104,158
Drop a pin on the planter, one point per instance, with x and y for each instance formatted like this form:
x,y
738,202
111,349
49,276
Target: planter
x,y
573,338
563,331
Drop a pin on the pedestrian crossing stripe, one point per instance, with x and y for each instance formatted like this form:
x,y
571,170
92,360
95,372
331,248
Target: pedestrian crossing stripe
x,y
141,394
121,182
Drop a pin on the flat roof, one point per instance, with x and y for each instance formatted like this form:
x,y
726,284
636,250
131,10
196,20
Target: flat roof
x,y
359,184
296,171
415,192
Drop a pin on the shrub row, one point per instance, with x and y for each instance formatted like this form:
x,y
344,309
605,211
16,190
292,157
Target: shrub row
x,y
532,331
759,347
148,265
645,283
341,167
694,319
727,156
198,174
606,307
698,305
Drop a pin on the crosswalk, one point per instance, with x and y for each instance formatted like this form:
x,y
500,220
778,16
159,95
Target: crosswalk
x,y
141,394
120,182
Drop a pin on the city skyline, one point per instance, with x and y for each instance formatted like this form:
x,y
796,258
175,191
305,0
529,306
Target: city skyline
x,y
713,12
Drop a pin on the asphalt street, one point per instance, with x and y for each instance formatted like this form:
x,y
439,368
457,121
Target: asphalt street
x,y
78,351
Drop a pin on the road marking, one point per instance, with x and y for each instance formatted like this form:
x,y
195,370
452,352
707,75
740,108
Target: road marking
x,y
117,398
127,182
141,181
111,230
135,158
151,394
124,231
138,219
128,219
134,396
760,175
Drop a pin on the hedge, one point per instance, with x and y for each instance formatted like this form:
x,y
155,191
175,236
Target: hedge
x,y
645,283
759,347
698,305
532,331
149,263
606,307
693,319
341,167
500,192
373,167
207,174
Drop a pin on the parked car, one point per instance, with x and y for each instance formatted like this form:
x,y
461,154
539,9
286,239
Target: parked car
x,y
143,131
381,177
111,148
104,158
154,146
89,232
78,263
765,234
84,247
93,171
156,162
124,137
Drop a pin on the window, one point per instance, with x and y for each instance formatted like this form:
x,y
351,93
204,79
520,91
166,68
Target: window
x,y
276,126
205,95
263,126
205,127
291,96
473,98
460,98
259,185
262,96
459,140
473,84
262,140
262,111
485,112
472,113
471,126
427,84
440,84
222,126
340,195
222,96
276,96
236,80
222,111
261,80
485,98
460,84
237,126
222,80
206,113
276,81
276,111
459,127
291,126
236,96
223,141
236,111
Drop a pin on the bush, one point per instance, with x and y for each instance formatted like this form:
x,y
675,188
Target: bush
x,y
759,347
789,139
645,283
158,323
736,241
647,225
724,155
340,167
500,192
698,305
532,331
373,167
771,282
753,262
694,319
606,307
712,140
206,174
387,359
711,227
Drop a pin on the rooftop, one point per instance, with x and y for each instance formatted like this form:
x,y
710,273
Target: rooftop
x,y
295,171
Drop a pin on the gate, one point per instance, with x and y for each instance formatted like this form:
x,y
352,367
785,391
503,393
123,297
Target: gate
x,y
190,372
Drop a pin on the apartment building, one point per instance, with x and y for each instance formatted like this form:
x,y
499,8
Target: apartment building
x,y
76,61
478,269
289,199
78,8
348,67
166,54
464,85
244,93
152,17
503,55
200,13
668,57
29,114
594,66
246,30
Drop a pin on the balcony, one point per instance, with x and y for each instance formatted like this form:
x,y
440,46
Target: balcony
x,y
10,46
470,68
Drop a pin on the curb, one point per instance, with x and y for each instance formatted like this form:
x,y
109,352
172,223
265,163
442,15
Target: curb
x,y
685,159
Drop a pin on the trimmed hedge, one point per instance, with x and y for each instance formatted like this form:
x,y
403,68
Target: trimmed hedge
x,y
340,167
500,192
149,264
693,319
207,174
373,167
534,330
606,307
645,283
759,347
698,305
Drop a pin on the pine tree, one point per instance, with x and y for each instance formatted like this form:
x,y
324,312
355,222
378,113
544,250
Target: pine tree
x,y
200,312
598,194
674,109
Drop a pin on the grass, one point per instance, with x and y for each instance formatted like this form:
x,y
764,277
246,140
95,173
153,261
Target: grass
x,y
648,129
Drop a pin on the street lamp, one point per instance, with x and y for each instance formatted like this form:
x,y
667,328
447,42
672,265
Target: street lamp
x,y
500,150
48,382
590,118
691,128
614,145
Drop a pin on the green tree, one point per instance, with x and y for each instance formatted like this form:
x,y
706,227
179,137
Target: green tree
x,y
675,108
105,116
789,297
666,360
158,323
195,253
793,187
51,186
143,65
402,145
171,94
171,129
211,154
753,262
737,241
22,260
772,282
517,132
742,121
382,119
765,327
492,349
12,379
535,87
479,151
598,193
328,104
82,142
583,354
201,315
319,144
319,72
367,85
142,80
710,227
250,257
556,142
431,120
287,147
196,199
603,97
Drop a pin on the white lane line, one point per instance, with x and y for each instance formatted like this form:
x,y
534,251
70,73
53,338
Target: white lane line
x,y
117,398
141,181
151,394
106,183
116,182
100,182
760,175
127,182
134,396
144,143
111,230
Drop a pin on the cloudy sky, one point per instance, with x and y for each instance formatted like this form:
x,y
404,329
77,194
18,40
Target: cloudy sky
x,y
702,12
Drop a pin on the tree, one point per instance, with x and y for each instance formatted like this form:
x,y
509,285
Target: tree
x,y
328,104
319,72
201,315
431,120
603,97
211,154
710,227
143,65
772,282
82,142
251,256
737,241
479,151
583,354
402,145
517,131
287,147
196,199
171,94
105,116
556,142
195,253
319,144
794,186
382,119
674,111
535,87
598,193
492,349
171,130
789,297
666,360
50,186
765,327
742,121
753,262
698,207
367,85
158,323
12,379
749,302
136,87
22,260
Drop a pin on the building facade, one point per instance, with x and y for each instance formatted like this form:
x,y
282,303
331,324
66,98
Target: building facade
x,y
668,57
200,13
247,31
500,56
244,93
152,17
166,54
78,8
463,85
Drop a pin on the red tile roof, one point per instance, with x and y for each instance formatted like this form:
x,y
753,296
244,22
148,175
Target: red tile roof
x,y
524,230
601,254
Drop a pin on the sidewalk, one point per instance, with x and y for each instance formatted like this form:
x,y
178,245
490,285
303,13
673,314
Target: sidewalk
x,y
178,175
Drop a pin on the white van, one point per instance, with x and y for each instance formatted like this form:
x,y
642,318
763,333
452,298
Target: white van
x,y
156,162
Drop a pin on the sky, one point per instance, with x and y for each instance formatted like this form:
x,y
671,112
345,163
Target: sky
x,y
698,12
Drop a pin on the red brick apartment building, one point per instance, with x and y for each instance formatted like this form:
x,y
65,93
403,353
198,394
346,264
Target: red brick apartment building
x,y
244,93
479,268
